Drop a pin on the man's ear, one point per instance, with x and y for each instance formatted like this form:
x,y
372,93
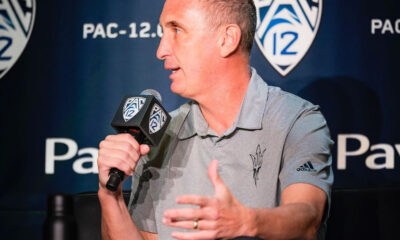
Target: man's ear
x,y
230,39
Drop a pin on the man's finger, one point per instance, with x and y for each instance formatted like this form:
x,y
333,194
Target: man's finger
x,y
193,199
124,149
214,176
124,137
144,149
184,214
206,234
119,160
189,224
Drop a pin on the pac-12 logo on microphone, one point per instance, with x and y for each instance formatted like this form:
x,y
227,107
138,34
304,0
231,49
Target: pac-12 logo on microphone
x,y
286,30
157,119
132,106
16,23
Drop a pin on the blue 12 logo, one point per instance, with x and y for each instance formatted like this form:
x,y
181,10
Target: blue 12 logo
x,y
16,23
286,30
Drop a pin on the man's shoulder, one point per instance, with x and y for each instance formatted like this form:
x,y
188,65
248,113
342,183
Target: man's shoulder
x,y
179,114
283,109
181,110
280,100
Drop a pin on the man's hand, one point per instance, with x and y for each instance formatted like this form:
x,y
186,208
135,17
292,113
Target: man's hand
x,y
120,151
219,216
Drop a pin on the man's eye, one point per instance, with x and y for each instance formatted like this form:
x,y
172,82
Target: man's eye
x,y
177,31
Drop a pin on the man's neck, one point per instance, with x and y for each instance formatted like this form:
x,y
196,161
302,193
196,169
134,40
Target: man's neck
x,y
222,104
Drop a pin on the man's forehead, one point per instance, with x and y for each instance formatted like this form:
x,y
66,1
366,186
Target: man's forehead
x,y
177,8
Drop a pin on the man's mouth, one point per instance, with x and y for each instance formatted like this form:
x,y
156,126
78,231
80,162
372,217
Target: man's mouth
x,y
174,70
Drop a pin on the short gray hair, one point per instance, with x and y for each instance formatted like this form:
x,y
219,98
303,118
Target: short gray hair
x,y
240,12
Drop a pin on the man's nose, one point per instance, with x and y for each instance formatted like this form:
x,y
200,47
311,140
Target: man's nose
x,y
163,48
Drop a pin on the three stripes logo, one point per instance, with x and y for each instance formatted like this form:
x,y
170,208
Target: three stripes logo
x,y
307,167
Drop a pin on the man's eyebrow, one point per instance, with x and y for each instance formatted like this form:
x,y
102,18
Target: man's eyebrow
x,y
173,24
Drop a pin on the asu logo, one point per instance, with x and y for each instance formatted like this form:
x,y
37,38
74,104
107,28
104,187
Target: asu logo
x,y
16,23
286,30
257,160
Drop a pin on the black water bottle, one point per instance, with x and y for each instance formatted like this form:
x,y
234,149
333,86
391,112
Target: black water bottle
x,y
60,222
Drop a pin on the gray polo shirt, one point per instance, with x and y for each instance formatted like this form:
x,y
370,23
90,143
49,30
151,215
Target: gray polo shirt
x,y
276,140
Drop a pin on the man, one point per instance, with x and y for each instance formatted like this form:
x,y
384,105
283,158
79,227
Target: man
x,y
266,152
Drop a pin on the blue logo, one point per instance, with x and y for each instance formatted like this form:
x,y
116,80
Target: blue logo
x,y
286,30
16,23
157,119
132,106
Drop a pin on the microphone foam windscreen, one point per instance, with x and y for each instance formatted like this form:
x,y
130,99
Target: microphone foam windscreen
x,y
152,92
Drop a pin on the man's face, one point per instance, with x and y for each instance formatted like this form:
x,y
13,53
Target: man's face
x,y
188,47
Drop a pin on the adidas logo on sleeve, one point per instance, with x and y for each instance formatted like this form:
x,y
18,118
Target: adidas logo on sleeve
x,y
308,167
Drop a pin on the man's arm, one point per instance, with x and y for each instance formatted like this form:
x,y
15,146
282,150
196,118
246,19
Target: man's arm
x,y
116,222
123,152
304,193
223,216
298,217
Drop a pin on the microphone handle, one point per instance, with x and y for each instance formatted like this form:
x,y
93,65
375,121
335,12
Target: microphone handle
x,y
116,176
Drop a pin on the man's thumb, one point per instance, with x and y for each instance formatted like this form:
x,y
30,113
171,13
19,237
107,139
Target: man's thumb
x,y
213,175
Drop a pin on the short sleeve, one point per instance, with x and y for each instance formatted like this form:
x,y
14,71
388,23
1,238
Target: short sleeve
x,y
140,203
307,153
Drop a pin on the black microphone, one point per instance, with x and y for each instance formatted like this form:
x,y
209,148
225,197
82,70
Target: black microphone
x,y
145,119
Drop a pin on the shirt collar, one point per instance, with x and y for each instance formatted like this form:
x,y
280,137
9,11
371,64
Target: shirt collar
x,y
250,115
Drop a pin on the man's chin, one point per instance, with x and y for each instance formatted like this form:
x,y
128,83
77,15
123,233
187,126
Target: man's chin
x,y
178,90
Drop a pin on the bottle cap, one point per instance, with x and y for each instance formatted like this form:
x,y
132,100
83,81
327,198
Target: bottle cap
x,y
60,205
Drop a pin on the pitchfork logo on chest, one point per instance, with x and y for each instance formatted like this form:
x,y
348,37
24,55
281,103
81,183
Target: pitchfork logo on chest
x,y
257,162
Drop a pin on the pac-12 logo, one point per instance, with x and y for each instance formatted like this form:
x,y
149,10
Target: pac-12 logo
x,y
16,23
157,119
286,30
132,106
